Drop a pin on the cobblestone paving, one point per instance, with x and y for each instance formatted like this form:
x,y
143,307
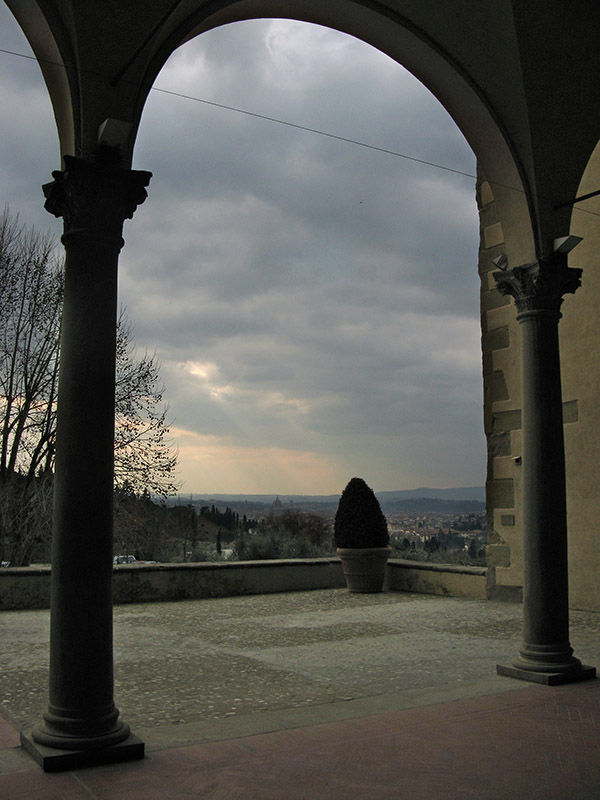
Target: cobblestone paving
x,y
186,661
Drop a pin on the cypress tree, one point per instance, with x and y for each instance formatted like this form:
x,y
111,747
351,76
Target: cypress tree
x,y
359,520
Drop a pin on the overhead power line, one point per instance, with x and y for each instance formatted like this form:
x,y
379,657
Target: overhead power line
x,y
278,122
307,129
314,130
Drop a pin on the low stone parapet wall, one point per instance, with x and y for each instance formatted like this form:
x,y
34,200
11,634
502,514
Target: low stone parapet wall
x,y
24,587
29,587
138,584
443,579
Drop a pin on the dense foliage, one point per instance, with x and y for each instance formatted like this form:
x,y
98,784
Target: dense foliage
x,y
291,534
155,531
433,551
359,520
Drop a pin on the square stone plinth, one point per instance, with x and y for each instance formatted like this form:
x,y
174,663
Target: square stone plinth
x,y
548,678
52,759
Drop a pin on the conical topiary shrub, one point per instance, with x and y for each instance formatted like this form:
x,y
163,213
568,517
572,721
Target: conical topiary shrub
x,y
362,538
359,520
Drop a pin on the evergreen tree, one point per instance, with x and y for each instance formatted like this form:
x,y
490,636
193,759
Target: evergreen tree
x,y
359,521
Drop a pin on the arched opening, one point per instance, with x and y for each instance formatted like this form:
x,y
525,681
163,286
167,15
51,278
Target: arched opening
x,y
48,40
405,41
331,303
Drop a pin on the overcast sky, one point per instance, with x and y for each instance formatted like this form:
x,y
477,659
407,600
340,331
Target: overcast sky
x,y
314,304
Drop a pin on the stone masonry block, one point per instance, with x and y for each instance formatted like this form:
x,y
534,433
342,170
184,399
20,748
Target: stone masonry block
x,y
499,444
493,235
498,555
493,299
495,386
486,195
500,493
570,411
486,256
507,421
496,339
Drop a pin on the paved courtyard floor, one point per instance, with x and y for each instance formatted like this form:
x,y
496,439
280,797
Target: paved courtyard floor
x,y
318,694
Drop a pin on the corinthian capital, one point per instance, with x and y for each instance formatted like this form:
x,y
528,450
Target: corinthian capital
x,y
95,197
539,286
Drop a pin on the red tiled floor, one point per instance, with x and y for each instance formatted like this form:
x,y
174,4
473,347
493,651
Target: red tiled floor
x,y
537,742
31,783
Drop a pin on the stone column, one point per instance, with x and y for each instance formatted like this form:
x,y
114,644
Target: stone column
x,y
546,655
94,199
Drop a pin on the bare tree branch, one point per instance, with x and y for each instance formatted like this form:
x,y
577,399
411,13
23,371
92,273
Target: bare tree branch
x,y
31,293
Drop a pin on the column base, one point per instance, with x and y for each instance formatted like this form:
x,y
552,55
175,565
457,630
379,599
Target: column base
x,y
52,759
581,673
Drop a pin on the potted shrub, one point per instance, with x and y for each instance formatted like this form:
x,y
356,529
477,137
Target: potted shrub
x,y
362,538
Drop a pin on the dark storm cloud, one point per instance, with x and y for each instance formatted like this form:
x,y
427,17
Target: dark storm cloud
x,y
303,294
28,149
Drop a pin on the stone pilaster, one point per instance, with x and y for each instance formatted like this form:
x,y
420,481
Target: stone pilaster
x,y
94,199
545,655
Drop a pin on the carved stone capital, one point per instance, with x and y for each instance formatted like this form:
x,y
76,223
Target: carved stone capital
x,y
95,197
539,286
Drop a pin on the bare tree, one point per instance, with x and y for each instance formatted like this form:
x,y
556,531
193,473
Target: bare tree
x,y
145,458
30,308
31,292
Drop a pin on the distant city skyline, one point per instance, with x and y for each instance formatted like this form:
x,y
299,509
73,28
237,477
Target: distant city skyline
x,y
314,304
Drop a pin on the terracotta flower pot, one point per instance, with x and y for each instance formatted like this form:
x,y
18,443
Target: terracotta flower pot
x,y
364,568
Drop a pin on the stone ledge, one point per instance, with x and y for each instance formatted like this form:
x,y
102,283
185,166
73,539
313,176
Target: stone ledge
x,y
29,587
449,580
211,566
493,235
455,569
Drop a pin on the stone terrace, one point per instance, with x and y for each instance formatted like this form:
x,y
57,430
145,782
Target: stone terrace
x,y
203,671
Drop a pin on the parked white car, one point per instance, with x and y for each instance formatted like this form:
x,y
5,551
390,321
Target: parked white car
x,y
124,560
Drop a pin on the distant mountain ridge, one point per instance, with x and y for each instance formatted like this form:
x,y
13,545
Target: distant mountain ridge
x,y
461,493
474,493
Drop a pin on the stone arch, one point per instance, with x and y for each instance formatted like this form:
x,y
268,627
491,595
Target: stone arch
x,y
584,213
49,41
105,78
442,275
412,48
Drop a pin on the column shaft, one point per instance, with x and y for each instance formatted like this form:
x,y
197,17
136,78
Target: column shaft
x,y
545,655
545,579
94,198
81,654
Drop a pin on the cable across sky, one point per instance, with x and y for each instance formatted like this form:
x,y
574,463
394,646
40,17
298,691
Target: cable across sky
x,y
297,126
